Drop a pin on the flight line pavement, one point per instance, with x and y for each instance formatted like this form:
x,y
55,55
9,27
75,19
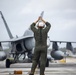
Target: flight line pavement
x,y
53,69
48,71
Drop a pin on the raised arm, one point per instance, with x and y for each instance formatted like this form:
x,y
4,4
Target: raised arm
x,y
33,25
48,25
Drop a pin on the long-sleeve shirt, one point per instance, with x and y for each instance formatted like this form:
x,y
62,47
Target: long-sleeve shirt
x,y
40,34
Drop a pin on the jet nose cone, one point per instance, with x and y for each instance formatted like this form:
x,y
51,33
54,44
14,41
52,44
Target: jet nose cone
x,y
2,55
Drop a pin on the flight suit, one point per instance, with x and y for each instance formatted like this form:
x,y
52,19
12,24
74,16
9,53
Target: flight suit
x,y
40,51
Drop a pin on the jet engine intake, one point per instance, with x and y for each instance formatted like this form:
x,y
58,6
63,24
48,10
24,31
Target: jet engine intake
x,y
19,48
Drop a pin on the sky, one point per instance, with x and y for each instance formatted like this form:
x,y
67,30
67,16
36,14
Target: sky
x,y
20,14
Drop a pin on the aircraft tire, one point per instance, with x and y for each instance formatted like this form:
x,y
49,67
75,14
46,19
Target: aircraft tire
x,y
47,63
7,63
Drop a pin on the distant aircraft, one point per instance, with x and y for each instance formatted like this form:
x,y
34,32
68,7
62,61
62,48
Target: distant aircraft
x,y
25,44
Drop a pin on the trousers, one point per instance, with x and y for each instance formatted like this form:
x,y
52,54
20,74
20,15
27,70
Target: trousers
x,y
40,53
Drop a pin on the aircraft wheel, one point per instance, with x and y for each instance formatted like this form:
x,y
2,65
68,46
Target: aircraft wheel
x,y
7,63
47,63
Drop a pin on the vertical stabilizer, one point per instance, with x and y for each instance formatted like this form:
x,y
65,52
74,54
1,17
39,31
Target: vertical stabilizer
x,y
41,15
7,28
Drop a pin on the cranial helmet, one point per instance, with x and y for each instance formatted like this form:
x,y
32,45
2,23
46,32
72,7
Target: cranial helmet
x,y
40,25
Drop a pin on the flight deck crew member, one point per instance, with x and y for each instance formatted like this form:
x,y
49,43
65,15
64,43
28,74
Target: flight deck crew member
x,y
40,51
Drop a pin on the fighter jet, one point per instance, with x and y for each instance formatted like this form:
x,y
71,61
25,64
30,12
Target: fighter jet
x,y
25,44
19,46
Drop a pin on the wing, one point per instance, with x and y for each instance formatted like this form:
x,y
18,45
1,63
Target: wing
x,y
17,39
68,45
62,41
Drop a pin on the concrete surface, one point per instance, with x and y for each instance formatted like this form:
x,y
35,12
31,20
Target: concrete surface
x,y
59,68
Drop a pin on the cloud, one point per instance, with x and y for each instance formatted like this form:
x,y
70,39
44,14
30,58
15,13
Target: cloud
x,y
19,14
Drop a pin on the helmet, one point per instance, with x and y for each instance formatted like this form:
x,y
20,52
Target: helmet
x,y
40,25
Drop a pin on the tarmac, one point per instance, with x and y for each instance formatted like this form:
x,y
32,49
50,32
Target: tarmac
x,y
55,68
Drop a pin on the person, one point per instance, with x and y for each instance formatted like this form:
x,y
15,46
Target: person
x,y
40,51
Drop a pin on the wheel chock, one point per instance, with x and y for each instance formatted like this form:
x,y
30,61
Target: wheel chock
x,y
17,71
62,61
